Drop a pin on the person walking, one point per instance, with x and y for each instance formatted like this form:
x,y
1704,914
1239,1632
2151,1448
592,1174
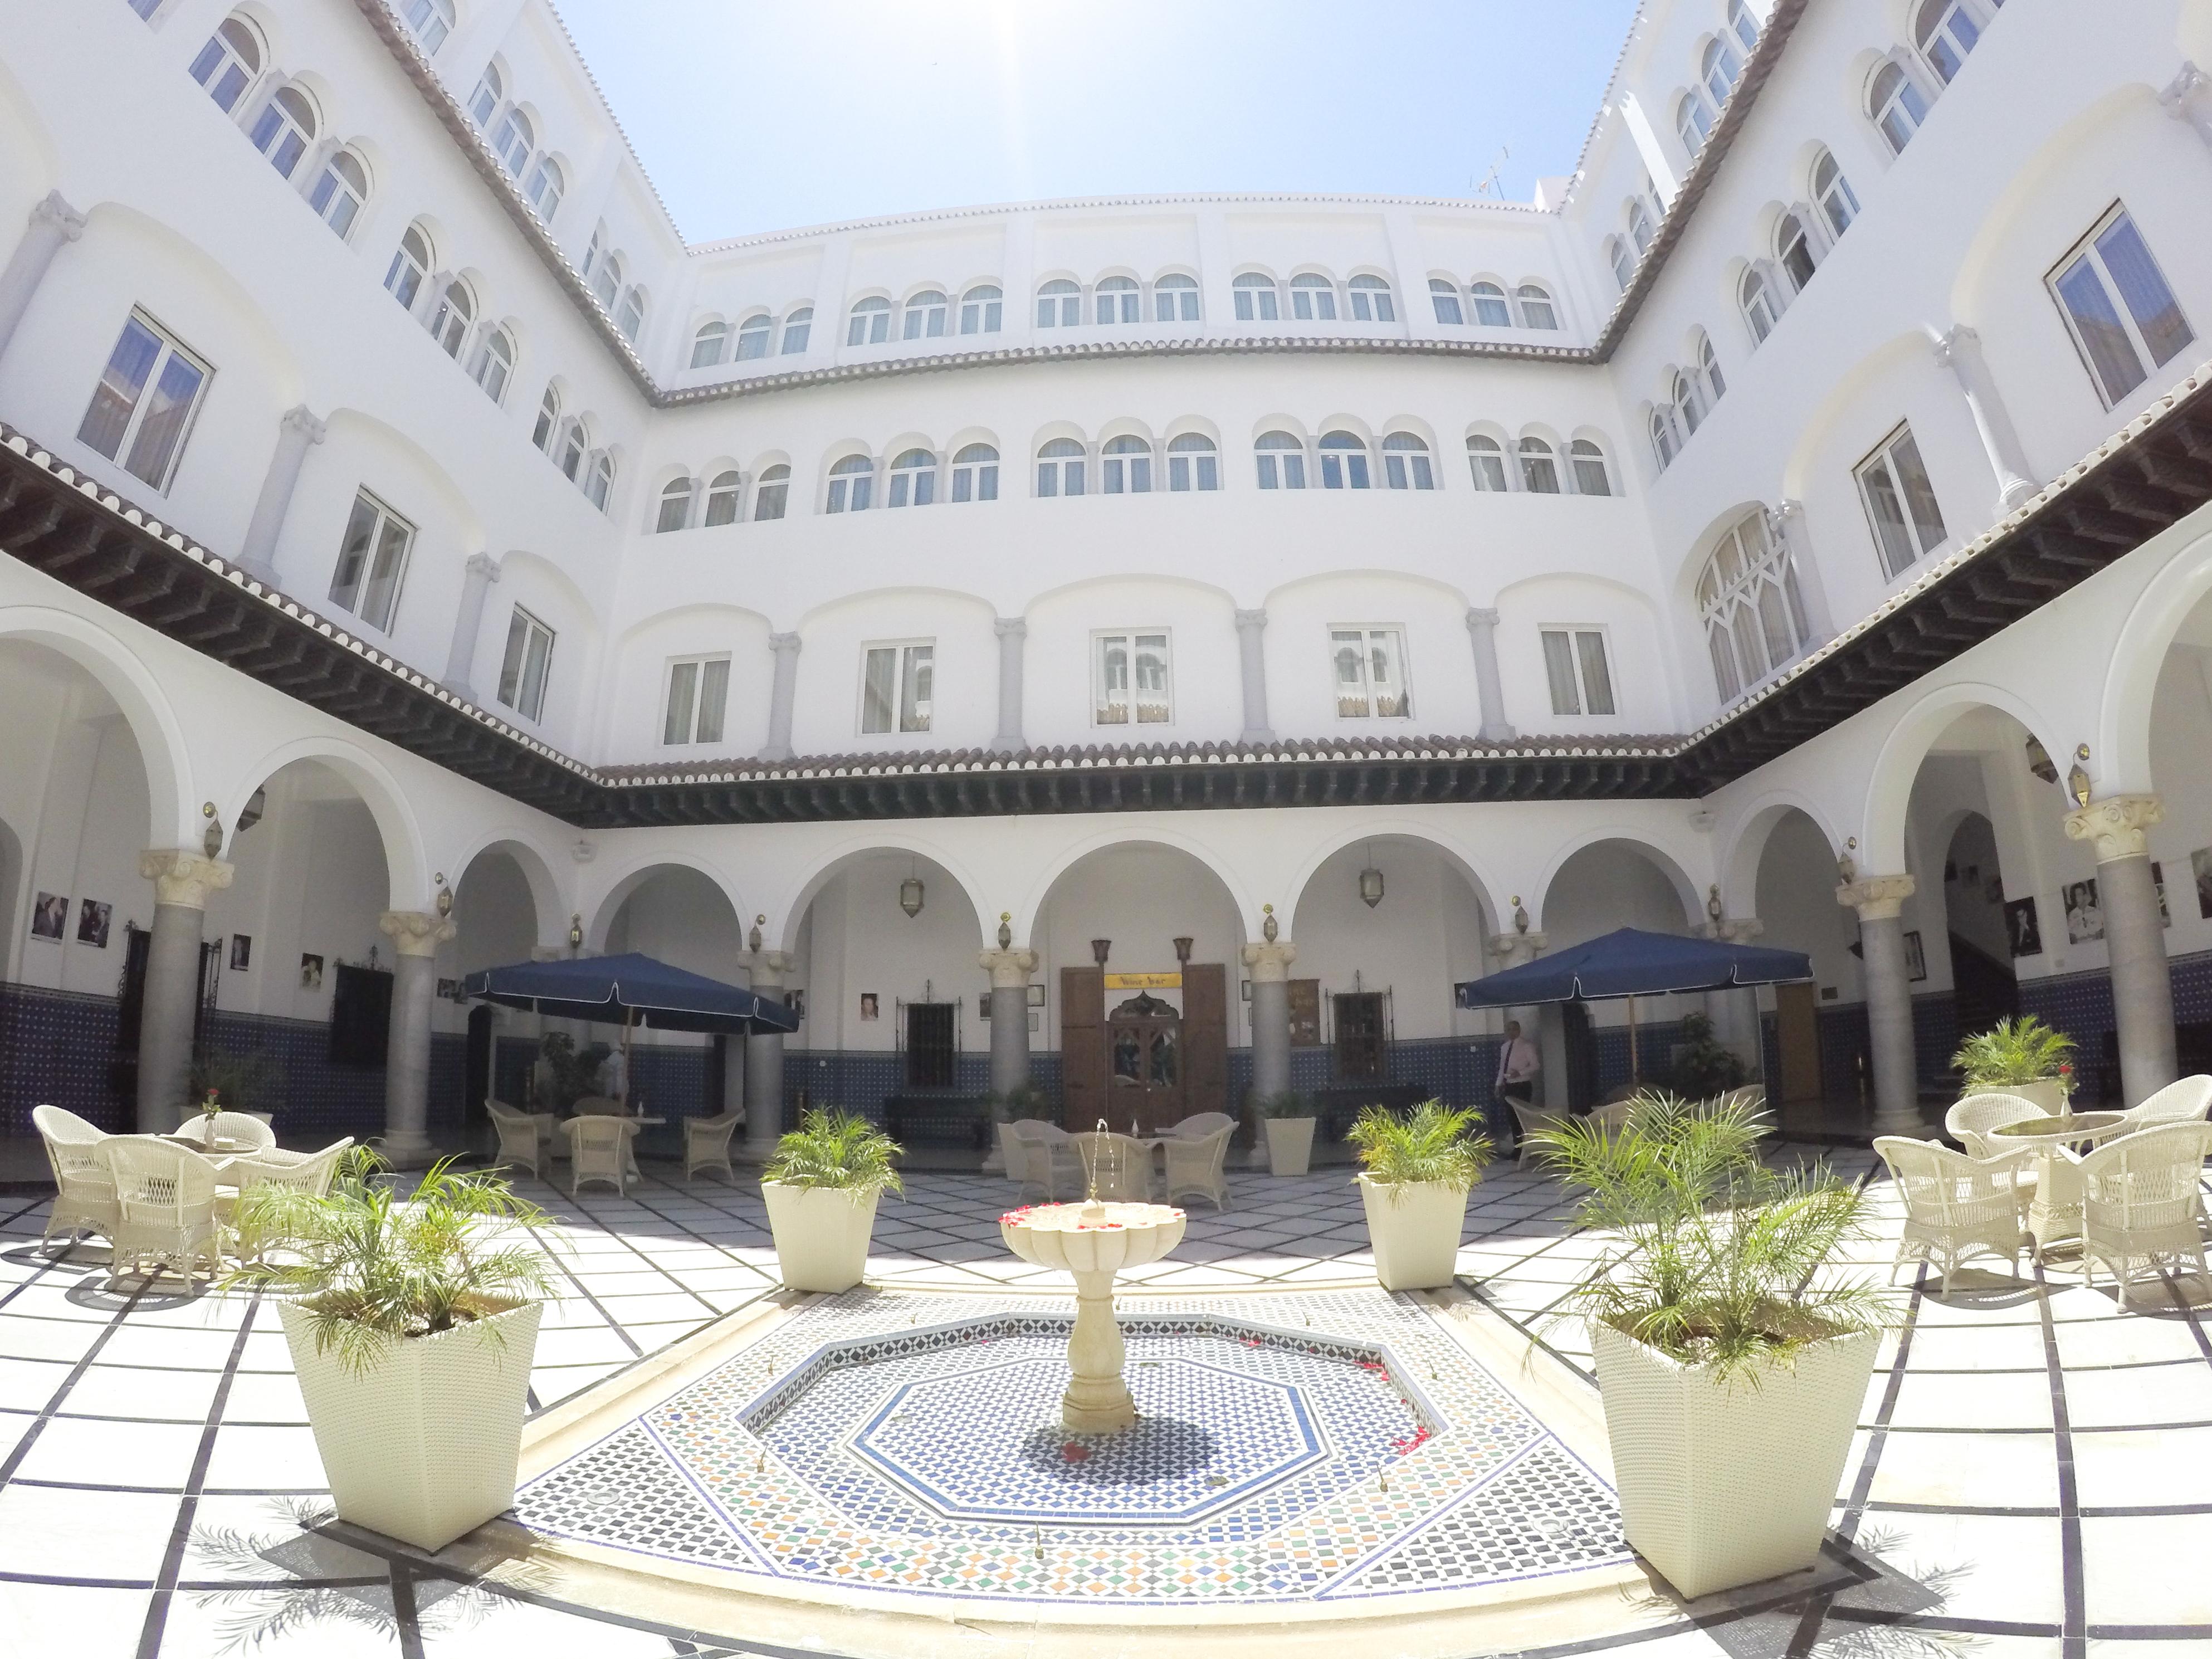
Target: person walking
x,y
1518,1063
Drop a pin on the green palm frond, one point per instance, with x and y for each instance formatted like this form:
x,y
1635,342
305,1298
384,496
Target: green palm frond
x,y
1434,1142
2012,1051
838,1149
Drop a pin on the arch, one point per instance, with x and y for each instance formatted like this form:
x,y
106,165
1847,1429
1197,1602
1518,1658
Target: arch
x,y
2121,755
1350,834
599,914
1737,868
786,915
405,861
546,898
1664,861
456,501
1896,765
1024,912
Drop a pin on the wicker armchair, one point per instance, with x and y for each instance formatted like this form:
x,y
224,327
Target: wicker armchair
x,y
300,1172
707,1143
84,1186
1118,1168
597,1106
1049,1157
526,1138
1200,1125
2185,1101
1013,1156
1532,1119
165,1203
2141,1201
229,1132
598,1150
1956,1206
1195,1164
1970,1122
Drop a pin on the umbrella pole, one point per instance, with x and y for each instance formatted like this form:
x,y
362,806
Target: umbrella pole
x,y
1635,1070
629,1016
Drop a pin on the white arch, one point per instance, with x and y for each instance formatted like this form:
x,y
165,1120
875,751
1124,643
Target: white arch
x,y
546,899
1889,788
1485,889
1661,857
2120,760
785,921
1737,869
1025,912
406,865
599,914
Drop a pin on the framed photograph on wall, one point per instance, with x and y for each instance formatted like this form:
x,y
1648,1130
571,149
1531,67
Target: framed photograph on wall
x,y
92,923
49,915
796,1001
2022,929
2085,914
2158,884
868,1005
1916,957
241,952
2200,866
311,972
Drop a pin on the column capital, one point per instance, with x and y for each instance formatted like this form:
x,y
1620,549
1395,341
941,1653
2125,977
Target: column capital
x,y
784,644
2188,80
181,876
2116,825
1875,898
1270,961
1734,930
1518,948
1481,617
768,968
1955,346
1010,628
301,422
1009,969
482,567
415,933
1252,618
52,209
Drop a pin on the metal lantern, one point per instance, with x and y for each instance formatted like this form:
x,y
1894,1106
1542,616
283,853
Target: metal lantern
x,y
2077,779
254,808
1371,887
576,933
1005,930
445,897
1268,929
1182,944
212,841
1520,916
1099,947
910,895
753,939
1713,903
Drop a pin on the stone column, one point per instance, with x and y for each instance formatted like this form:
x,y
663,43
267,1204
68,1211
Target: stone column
x,y
296,433
182,881
780,692
2184,99
53,221
415,936
2142,993
1270,962
764,1059
1879,902
1252,658
1013,634
1009,970
1960,351
1489,690
478,574
1735,1014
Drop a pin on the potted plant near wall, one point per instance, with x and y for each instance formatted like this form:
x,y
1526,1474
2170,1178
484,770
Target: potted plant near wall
x,y
1732,1357
822,1187
1417,1170
1287,1120
412,1323
2023,1057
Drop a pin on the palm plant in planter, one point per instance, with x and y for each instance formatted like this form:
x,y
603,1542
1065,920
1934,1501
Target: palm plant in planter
x,y
411,1323
1287,1120
822,1186
1417,1171
1731,1357
2023,1057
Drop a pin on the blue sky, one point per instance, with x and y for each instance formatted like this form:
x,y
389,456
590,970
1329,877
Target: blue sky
x,y
758,115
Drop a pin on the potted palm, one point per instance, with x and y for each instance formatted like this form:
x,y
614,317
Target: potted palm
x,y
822,1186
1287,1120
1732,1357
1417,1170
412,1324
2023,1057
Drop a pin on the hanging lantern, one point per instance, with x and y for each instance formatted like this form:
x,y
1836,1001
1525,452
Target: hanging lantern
x,y
1520,916
1005,930
254,808
576,933
910,895
1371,887
1268,927
1100,948
753,939
2077,781
1713,904
445,896
212,841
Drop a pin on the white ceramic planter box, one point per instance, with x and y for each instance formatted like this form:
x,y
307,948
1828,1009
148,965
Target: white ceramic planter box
x,y
2045,1093
1726,1484
1290,1144
1415,1227
423,1446
822,1234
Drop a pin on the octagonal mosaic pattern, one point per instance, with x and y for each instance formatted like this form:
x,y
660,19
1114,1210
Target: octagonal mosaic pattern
x,y
1315,1447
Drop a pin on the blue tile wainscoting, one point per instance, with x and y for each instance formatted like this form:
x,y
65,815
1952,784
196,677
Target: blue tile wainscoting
x,y
55,1047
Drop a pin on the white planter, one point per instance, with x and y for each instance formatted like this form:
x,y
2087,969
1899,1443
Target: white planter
x,y
2044,1092
821,1234
423,1446
1414,1227
1290,1144
1726,1484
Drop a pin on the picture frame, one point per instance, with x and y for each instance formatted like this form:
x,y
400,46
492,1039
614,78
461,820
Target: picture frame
x,y
50,916
310,971
241,953
2085,912
1916,957
92,923
795,1000
870,1006
2022,930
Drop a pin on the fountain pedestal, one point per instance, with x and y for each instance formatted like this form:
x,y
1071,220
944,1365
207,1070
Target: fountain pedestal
x,y
1094,1242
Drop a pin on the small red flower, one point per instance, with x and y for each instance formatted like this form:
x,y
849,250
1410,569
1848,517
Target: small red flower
x,y
1073,1452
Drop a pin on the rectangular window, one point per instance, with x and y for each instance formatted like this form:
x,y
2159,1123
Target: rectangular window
x,y
1369,664
698,691
1581,678
895,687
371,563
529,656
1131,680
143,405
2124,320
1900,502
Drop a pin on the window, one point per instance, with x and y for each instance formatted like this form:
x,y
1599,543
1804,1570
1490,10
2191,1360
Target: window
x,y
925,317
1343,459
545,190
1539,474
1639,227
409,268
432,21
1370,301
796,328
599,487
674,507
371,563
1758,304
1370,670
339,194
851,484
576,442
484,101
1282,461
514,142
1444,297
895,685
1833,193
1743,23
595,250
1622,261
146,8
1313,299
1119,301
228,63
1794,250
1059,304
709,344
1754,613
1946,30
1490,310
1174,300
1900,502
698,692
1896,105
1714,384
284,129
630,319
1664,440
2123,317
775,489
1255,298
1192,462
976,474
495,365
1687,412
1718,69
1406,463
1130,677
449,322
548,422
1574,664
1693,123
1591,477
529,655
913,479
142,408
1060,468
606,281
1126,464
753,336
1536,311
725,499
1486,460
981,310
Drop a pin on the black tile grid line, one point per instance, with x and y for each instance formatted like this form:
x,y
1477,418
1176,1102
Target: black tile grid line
x,y
2074,1637
404,1617
560,1260
14,1461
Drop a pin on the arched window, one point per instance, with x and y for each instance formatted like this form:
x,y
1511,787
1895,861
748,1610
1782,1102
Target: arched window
x,y
1758,304
1590,477
1537,309
606,281
976,473
432,21
1833,193
548,423
1175,299
925,317
1709,365
1639,227
1693,122
576,442
484,101
1255,298
340,193
630,319
284,129
1540,473
1745,26
1662,438
1060,468
1490,310
710,344
1344,460
753,336
1192,462
1312,298
1126,463
451,319
600,488
1444,297
1946,30
594,249
726,498
980,309
674,507
226,65
1896,105
1282,461
1405,463
1486,461
1688,411
1622,261
913,479
851,484
1793,251
513,140
545,188
1753,611
796,328
870,323
1119,301
1370,301
1059,304
773,492
495,365
1718,69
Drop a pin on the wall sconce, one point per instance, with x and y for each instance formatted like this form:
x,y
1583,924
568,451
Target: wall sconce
x,y
753,939
1713,904
255,806
2077,779
212,841
575,932
1520,916
1005,930
2039,761
1183,949
1269,928
1099,947
445,896
910,895
1371,882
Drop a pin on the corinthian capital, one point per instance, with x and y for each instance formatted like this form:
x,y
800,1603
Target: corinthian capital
x,y
413,932
1009,969
2116,825
1271,961
52,209
181,876
1876,898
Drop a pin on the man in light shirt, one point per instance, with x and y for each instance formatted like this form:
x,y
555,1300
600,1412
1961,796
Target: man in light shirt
x,y
1518,1062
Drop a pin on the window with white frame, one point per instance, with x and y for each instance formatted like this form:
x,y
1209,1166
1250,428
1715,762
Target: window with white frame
x,y
1406,462
1060,468
1689,413
1540,471
594,250
143,407
575,443
599,486
495,364
1793,251
1896,107
630,317
283,130
529,659
1490,310
1443,299
981,309
227,64
371,563
340,193
1485,460
432,20
1710,366
513,141
1664,438
2124,318
1536,308
1693,123
1124,467
1753,611
913,481
774,491
753,336
1255,298
1576,664
146,8
1622,261
451,317
1119,301
1344,461
1368,666
796,328
542,435
606,283
1745,26
870,323
1370,299
1312,298
1719,67
698,694
925,316
1193,462
1946,30
1838,206
675,512
1591,477
1282,460
1059,304
725,499
1758,304
894,686
709,345
1131,680
545,188
976,473
851,485
1900,502
1175,299
1639,227
484,101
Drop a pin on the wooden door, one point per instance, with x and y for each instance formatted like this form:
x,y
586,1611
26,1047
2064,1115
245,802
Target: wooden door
x,y
1082,1047
1143,1065
1205,1038
1797,1033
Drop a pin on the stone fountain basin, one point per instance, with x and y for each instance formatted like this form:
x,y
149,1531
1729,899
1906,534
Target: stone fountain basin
x,y
1092,1238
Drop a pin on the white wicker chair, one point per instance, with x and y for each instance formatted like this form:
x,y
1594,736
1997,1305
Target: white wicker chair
x,y
301,1172
1969,1121
1195,1164
598,1150
1013,1156
1119,1167
526,1138
2185,1101
1531,1120
84,1186
549,1126
2143,1201
707,1143
1050,1159
1751,1096
1612,1118
1956,1206
165,1203
1200,1125
229,1132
